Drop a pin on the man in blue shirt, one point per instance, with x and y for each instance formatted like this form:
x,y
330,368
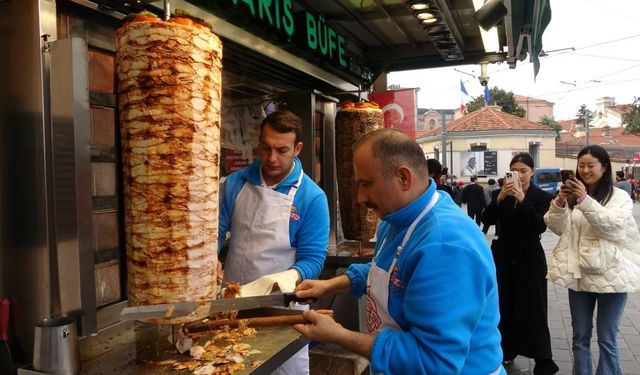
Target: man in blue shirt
x,y
277,215
431,293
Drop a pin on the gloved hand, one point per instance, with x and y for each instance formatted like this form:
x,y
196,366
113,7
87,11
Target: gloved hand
x,y
285,281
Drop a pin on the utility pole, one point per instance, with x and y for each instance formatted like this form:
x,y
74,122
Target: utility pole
x,y
443,138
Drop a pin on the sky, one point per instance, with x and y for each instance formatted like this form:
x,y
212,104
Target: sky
x,y
606,62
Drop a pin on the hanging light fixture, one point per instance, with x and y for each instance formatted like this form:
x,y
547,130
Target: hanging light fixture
x,y
424,15
418,5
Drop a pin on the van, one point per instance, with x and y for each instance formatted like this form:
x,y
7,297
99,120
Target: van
x,y
548,179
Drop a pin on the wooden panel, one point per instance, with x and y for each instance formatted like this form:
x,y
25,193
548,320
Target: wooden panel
x,y
107,282
105,230
104,179
103,122
101,72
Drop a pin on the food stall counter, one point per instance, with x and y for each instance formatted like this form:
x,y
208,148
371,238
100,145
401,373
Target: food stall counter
x,y
135,348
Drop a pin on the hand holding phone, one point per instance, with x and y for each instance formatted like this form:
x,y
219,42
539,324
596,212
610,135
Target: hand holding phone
x,y
566,174
512,176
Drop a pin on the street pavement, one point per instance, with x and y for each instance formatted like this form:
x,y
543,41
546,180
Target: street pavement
x,y
559,319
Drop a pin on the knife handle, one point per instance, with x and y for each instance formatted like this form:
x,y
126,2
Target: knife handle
x,y
291,297
254,322
4,319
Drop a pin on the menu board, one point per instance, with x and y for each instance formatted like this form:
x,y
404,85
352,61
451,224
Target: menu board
x,y
490,162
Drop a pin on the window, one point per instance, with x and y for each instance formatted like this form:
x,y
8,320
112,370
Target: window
x,y
534,151
432,124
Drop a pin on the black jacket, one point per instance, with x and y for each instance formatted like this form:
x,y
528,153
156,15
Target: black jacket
x,y
473,196
521,270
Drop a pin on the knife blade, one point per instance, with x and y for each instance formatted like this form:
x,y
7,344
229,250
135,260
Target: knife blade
x,y
174,310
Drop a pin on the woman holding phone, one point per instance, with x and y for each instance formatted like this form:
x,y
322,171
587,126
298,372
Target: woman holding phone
x,y
597,257
521,266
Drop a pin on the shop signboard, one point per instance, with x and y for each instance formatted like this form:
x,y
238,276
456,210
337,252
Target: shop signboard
x,y
303,32
399,109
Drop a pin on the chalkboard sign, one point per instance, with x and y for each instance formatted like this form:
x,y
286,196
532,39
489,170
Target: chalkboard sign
x,y
490,162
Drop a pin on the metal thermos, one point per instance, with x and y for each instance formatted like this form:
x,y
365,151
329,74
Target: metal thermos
x,y
56,347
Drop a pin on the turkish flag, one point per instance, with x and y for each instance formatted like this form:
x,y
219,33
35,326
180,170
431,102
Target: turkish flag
x,y
399,109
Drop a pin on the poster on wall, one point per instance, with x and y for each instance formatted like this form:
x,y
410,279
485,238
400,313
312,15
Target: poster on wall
x,y
399,109
472,163
234,161
479,163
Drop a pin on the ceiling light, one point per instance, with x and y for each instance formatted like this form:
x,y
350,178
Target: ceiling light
x,y
424,15
429,20
419,6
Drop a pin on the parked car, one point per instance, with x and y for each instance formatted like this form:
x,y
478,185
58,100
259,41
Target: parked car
x,y
548,179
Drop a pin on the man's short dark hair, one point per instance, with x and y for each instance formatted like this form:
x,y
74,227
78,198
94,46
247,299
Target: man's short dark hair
x,y
474,178
435,167
284,122
620,174
394,149
491,181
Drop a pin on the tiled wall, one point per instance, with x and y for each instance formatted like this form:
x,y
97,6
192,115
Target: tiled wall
x,y
104,174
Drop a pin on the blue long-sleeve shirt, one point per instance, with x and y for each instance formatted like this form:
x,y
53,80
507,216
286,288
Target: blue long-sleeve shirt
x,y
447,302
308,223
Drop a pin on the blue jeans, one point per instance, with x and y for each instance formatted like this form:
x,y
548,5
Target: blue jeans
x,y
610,308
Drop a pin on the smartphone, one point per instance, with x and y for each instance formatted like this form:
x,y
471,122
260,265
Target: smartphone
x,y
566,174
512,176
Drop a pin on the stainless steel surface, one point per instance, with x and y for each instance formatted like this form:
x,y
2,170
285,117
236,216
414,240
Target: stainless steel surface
x,y
24,247
127,349
172,310
330,186
72,187
29,371
303,104
56,348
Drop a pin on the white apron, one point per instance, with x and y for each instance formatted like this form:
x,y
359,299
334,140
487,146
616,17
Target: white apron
x,y
260,245
378,317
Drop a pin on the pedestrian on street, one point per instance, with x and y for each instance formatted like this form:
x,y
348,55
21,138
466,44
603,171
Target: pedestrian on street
x,y
597,257
521,266
623,184
473,196
457,192
493,186
435,170
431,293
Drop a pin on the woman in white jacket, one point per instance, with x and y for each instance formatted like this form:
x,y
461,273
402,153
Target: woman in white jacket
x,y
597,257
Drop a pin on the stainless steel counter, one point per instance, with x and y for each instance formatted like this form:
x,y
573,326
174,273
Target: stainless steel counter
x,y
127,347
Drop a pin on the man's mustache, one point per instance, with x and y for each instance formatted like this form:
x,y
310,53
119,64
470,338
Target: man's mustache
x,y
371,206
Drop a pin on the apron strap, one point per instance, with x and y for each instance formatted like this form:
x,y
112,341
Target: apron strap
x,y
427,208
294,188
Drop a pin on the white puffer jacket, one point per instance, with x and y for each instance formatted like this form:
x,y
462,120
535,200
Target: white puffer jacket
x,y
599,246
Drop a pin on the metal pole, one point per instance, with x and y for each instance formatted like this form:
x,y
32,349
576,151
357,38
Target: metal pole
x,y
167,10
443,138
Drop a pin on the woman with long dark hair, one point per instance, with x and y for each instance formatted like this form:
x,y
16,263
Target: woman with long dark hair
x,y
521,266
597,257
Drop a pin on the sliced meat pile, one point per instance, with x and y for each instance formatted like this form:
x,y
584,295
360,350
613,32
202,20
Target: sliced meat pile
x,y
169,86
353,121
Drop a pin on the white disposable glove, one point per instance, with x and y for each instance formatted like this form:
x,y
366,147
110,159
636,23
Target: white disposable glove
x,y
285,281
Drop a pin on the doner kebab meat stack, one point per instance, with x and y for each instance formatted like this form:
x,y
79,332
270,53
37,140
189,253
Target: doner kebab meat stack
x,y
169,86
353,121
